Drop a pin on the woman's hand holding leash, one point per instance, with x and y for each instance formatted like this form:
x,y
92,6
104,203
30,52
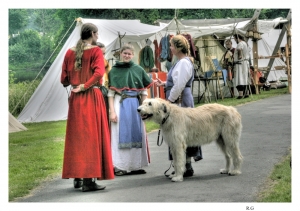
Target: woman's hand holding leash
x,y
159,82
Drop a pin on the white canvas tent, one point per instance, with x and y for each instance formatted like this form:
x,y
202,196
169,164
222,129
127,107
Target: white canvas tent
x,y
220,27
49,101
14,124
265,48
226,27
208,29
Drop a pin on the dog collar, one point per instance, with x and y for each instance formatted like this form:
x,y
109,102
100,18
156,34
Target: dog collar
x,y
165,119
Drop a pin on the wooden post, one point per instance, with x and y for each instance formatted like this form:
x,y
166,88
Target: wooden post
x,y
279,40
288,53
255,64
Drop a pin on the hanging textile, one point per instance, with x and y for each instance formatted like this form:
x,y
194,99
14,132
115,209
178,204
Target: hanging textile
x,y
170,55
146,58
192,46
164,48
197,54
156,55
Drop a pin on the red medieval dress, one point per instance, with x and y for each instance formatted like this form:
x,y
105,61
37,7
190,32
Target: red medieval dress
x,y
87,152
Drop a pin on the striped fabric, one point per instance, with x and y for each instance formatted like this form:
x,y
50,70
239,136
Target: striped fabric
x,y
156,91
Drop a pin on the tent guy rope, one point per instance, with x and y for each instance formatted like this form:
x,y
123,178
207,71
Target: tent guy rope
x,y
43,66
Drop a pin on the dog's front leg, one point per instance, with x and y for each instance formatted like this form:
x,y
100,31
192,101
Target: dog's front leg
x,y
179,158
175,167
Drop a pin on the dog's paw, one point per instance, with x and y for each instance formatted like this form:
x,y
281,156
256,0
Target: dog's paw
x,y
177,179
223,171
172,175
234,172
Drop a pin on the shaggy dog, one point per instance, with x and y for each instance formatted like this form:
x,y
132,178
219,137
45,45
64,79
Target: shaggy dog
x,y
183,127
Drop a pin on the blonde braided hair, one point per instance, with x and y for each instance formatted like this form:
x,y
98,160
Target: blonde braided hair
x,y
182,44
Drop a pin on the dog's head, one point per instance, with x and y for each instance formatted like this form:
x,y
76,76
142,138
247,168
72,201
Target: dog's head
x,y
153,109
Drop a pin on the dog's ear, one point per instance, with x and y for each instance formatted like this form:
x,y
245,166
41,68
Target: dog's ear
x,y
164,108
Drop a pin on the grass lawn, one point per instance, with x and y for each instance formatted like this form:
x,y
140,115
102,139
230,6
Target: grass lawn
x,y
36,155
277,187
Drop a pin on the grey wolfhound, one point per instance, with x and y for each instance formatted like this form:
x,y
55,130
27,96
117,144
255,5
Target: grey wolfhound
x,y
183,127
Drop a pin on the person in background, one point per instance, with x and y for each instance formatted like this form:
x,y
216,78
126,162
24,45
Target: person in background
x,y
227,61
104,81
128,82
259,78
87,152
106,64
241,66
178,89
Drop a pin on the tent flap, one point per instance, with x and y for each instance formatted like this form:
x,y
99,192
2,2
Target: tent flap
x,y
14,124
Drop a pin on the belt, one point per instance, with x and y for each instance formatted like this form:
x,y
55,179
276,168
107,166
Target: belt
x,y
74,86
124,96
239,61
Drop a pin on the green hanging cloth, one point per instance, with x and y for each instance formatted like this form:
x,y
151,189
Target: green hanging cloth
x,y
147,57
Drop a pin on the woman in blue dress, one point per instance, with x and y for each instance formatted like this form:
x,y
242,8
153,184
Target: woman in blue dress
x,y
128,84
178,89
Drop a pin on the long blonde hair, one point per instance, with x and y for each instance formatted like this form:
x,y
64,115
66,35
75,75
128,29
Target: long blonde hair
x,y
87,30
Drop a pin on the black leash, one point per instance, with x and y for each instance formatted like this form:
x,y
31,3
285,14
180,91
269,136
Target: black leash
x,y
162,139
159,144
167,175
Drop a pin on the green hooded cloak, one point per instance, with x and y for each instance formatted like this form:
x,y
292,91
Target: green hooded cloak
x,y
128,76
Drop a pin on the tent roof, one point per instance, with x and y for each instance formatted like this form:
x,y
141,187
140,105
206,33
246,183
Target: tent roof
x,y
220,27
110,30
206,22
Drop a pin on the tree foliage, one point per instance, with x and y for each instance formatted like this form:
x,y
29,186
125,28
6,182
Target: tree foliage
x,y
17,20
27,48
19,94
274,13
43,30
46,21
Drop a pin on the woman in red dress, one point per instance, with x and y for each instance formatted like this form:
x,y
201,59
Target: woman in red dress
x,y
87,151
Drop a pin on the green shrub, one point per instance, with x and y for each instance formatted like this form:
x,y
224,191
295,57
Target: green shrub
x,y
28,71
11,77
19,94
23,76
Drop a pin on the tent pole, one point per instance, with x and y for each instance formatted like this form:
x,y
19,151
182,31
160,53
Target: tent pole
x,y
276,48
288,54
255,59
78,19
